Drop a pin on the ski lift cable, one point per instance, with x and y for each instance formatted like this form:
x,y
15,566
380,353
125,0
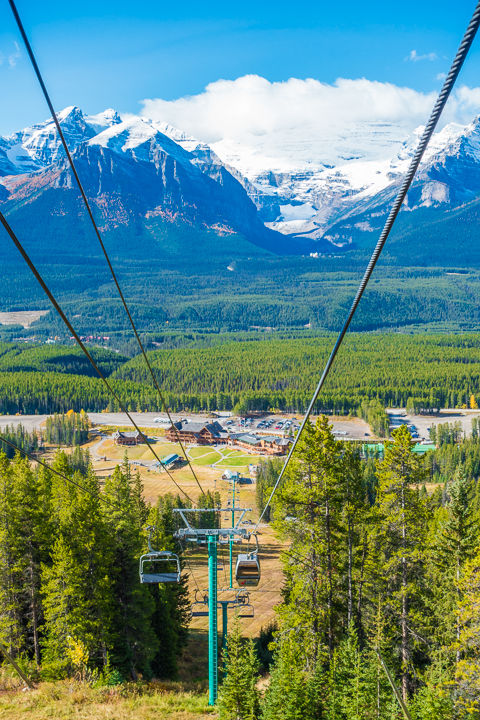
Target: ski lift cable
x,y
59,310
457,64
185,557
95,227
64,477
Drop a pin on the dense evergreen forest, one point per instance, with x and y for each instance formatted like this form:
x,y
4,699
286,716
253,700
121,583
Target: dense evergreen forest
x,y
200,281
426,372
70,429
372,564
71,602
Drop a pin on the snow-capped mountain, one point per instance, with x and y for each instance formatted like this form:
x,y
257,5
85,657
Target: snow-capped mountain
x,y
332,188
36,147
311,200
132,172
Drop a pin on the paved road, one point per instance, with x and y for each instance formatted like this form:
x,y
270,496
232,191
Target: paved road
x,y
353,429
29,422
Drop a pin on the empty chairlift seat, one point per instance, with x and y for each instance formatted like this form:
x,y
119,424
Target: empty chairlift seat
x,y
159,567
247,570
200,607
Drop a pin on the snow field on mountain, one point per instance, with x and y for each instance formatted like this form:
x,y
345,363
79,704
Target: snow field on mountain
x,y
313,177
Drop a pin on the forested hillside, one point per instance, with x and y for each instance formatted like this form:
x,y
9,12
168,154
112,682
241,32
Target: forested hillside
x,y
230,287
70,597
370,562
57,359
427,372
373,565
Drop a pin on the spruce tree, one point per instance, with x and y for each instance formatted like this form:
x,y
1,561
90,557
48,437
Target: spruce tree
x,y
77,598
454,544
308,512
467,671
25,542
238,697
402,528
134,643
171,615
355,514
290,695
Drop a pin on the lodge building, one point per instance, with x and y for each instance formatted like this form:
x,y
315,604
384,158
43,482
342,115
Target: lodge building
x,y
198,433
270,445
129,438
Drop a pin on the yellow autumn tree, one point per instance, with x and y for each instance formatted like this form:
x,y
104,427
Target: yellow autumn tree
x,y
473,403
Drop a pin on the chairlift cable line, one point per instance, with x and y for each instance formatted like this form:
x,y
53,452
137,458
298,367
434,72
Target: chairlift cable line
x,y
184,552
97,496
57,307
457,64
95,227
64,477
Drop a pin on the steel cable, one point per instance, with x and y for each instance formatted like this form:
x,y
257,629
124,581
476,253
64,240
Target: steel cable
x,y
462,53
72,482
59,310
97,232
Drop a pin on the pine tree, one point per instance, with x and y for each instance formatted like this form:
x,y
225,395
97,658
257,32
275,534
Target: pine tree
x,y
467,676
355,511
238,698
77,598
434,700
290,694
308,511
402,524
25,541
454,544
11,630
171,615
134,643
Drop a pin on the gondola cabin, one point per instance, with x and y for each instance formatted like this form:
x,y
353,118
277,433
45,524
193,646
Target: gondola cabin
x,y
159,567
247,570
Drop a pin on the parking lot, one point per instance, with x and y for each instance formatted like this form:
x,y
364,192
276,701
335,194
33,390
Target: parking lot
x,y
398,416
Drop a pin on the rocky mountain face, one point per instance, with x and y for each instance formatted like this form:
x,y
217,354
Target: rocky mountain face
x,y
132,171
277,195
327,202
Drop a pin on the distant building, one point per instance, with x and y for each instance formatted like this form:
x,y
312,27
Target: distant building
x,y
270,445
129,438
169,460
199,433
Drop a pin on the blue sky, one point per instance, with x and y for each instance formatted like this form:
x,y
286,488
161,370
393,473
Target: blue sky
x,y
115,54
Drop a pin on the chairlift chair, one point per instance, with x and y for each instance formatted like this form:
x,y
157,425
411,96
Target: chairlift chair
x,y
242,601
199,608
164,568
159,566
246,611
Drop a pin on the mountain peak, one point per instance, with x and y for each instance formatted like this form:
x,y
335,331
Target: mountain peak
x,y
103,120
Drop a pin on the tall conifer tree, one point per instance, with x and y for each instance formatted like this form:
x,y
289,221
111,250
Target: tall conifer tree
x,y
402,517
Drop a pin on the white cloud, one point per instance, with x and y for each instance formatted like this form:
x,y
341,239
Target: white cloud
x,y
441,76
13,57
252,105
413,57
254,123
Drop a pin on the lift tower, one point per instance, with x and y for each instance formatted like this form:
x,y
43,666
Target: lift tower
x,y
212,537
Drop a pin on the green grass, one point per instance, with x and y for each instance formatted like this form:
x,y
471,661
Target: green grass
x,y
198,452
237,462
208,458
